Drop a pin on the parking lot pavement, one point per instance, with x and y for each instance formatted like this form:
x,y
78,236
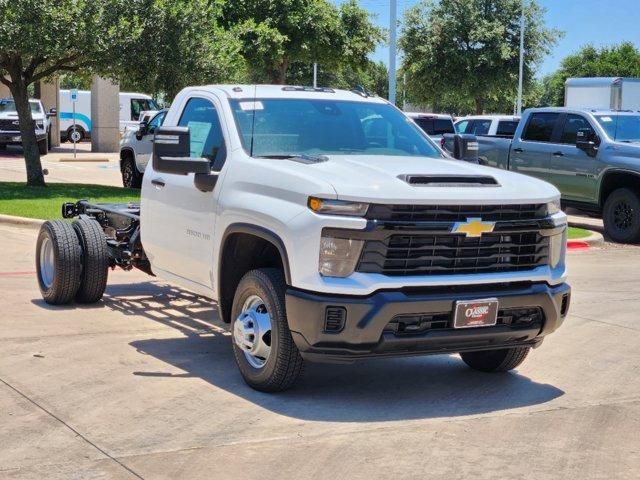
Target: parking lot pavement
x,y
12,168
143,385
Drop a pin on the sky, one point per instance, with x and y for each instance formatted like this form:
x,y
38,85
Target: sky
x,y
599,22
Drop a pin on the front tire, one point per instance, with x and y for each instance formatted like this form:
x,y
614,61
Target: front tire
x,y
496,360
75,135
621,216
131,177
265,352
95,260
58,262
43,146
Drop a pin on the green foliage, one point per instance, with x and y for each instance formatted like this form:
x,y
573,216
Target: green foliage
x,y
463,55
37,202
278,35
621,60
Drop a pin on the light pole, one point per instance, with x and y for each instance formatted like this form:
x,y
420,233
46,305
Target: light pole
x,y
521,73
393,25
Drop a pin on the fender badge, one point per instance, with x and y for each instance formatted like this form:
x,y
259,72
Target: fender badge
x,y
473,227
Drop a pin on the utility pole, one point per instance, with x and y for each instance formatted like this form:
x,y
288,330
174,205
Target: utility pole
x,y
521,74
393,26
315,74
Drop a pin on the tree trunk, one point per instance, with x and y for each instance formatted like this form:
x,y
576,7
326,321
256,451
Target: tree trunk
x,y
282,71
479,106
18,88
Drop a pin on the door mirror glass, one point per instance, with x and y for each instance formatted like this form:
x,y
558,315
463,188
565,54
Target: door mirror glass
x,y
172,150
587,140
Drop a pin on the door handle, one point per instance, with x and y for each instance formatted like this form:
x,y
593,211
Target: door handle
x,y
158,182
558,154
518,150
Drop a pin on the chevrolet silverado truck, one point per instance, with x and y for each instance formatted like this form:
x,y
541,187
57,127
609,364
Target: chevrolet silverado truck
x,y
328,227
591,156
10,127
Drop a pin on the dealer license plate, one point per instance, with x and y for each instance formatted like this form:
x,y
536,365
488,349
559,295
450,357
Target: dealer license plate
x,y
476,313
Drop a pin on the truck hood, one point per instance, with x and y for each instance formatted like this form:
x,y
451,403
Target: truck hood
x,y
14,116
383,179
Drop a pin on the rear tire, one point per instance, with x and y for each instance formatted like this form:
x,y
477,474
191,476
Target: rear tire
x,y
58,262
621,216
279,369
75,135
496,360
131,177
95,260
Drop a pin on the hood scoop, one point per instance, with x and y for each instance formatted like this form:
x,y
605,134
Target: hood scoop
x,y
449,180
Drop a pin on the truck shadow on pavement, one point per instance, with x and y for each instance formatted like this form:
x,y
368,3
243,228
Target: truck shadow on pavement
x,y
370,391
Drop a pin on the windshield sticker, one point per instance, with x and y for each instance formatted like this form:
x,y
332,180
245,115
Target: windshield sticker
x,y
606,119
250,105
199,131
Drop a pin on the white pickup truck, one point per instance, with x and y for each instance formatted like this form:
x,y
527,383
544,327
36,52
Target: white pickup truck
x,y
328,227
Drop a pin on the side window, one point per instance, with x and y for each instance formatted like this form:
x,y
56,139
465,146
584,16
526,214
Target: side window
x,y
205,131
462,126
156,121
481,127
540,127
572,124
507,128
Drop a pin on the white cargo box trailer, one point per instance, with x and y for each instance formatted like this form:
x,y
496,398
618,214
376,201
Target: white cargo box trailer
x,y
615,93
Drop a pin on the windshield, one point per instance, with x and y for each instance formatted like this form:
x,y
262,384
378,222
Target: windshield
x,y
9,106
621,128
285,127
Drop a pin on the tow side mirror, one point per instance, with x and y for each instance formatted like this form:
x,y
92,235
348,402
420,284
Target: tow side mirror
x,y
462,146
52,113
171,154
588,141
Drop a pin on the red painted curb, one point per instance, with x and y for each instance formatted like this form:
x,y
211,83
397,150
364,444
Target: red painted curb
x,y
577,245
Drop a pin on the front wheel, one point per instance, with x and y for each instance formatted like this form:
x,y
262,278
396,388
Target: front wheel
x,y
621,216
496,360
131,177
43,146
264,350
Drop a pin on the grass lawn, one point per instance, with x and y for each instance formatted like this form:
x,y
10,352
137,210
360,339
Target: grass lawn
x,y
36,202
575,233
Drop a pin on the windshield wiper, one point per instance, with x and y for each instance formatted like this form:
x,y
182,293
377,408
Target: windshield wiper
x,y
302,158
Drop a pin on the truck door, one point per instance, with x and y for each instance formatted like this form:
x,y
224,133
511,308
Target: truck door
x,y
531,153
572,170
178,219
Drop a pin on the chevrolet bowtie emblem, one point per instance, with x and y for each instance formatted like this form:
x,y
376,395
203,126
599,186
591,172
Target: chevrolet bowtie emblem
x,y
473,227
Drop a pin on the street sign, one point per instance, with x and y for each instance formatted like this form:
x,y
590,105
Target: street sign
x,y
74,95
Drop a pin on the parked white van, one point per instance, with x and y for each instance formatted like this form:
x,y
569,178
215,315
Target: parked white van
x,y
131,105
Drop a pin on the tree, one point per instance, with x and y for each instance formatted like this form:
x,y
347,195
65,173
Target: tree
x,y
182,44
621,60
465,53
39,38
279,34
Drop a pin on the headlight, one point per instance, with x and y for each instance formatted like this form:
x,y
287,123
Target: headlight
x,y
337,207
553,207
338,256
557,248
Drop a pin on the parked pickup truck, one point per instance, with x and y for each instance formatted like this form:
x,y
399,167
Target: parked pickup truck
x,y
10,128
327,227
591,156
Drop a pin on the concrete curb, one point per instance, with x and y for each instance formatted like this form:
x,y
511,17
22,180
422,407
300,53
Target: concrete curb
x,y
83,160
594,240
20,221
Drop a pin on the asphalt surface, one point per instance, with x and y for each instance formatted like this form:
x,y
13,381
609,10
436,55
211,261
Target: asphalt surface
x,y
143,385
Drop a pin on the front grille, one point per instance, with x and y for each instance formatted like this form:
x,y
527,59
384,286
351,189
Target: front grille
x,y
8,126
447,253
456,213
418,324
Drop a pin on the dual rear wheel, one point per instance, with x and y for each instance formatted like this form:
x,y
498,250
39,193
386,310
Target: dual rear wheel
x,y
72,261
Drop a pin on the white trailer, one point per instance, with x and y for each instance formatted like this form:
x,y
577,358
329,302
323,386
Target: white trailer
x,y
610,93
131,105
